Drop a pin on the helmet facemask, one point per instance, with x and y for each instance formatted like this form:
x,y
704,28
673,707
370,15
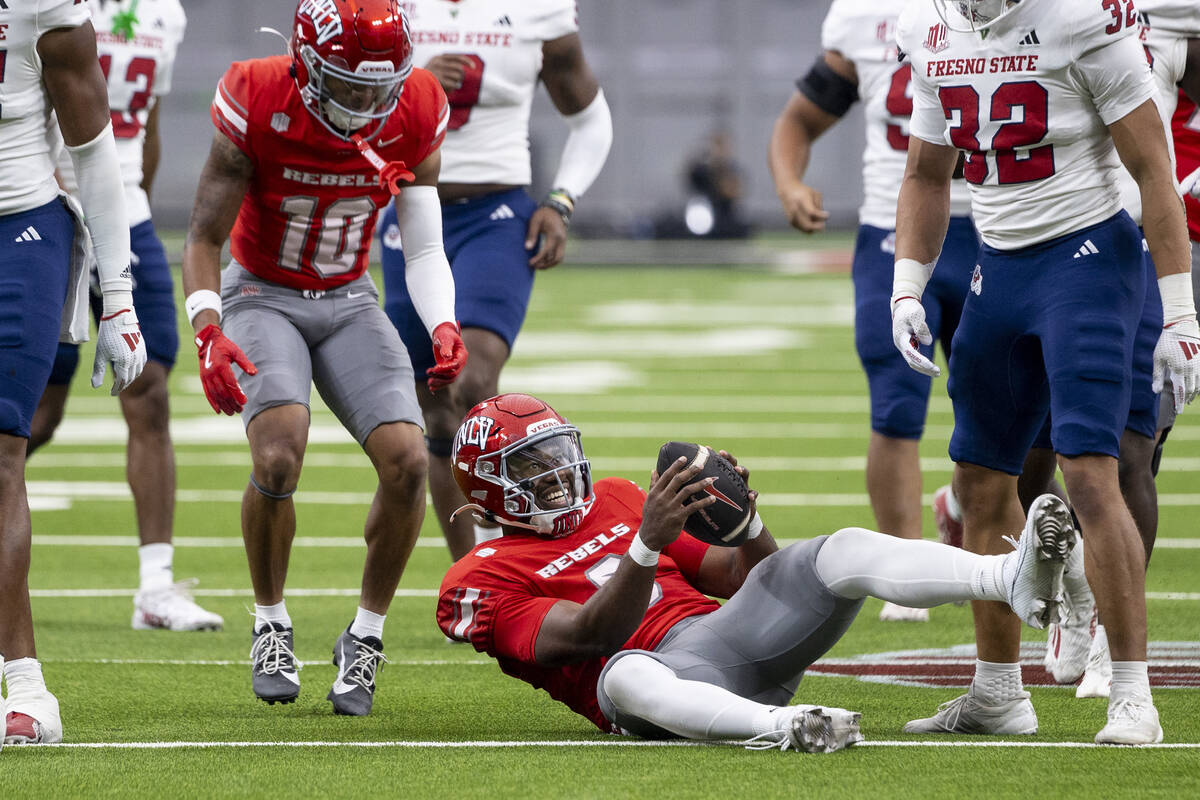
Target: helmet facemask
x,y
351,100
546,478
973,15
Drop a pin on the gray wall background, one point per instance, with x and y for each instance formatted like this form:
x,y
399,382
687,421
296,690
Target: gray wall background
x,y
673,71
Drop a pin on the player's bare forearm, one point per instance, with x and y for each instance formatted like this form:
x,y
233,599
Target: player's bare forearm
x,y
151,149
567,76
796,128
571,632
223,183
1142,145
923,208
74,82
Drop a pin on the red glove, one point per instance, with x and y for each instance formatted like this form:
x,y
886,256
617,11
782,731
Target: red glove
x,y
450,354
217,353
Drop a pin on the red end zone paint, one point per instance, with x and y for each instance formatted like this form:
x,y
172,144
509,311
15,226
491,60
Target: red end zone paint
x,y
1173,665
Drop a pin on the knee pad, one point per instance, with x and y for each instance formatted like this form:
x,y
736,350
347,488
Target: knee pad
x,y
899,417
12,418
272,495
439,447
631,678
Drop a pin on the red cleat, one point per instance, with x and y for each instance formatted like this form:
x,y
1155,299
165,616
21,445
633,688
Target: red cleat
x,y
950,530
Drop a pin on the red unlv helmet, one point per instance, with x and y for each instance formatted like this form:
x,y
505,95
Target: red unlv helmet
x,y
350,59
519,463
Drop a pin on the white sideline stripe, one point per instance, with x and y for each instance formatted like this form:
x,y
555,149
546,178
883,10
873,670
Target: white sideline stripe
x,y
70,593
612,742
179,662
83,540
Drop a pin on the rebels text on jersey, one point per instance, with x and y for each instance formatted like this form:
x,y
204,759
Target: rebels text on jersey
x,y
26,157
139,69
1029,104
309,212
496,596
863,31
488,139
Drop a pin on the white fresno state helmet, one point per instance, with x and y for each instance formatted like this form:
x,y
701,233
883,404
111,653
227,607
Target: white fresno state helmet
x,y
350,59
521,464
973,15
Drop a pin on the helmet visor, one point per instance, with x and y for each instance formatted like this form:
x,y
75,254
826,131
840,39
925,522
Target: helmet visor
x,y
552,470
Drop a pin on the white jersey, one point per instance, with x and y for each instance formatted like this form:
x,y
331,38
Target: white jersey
x,y
1166,25
138,71
1030,103
26,143
864,32
487,140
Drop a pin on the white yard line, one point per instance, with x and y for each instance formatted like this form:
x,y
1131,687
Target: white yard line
x,y
583,743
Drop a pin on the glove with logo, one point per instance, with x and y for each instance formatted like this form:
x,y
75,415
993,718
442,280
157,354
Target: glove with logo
x,y
217,356
450,354
909,331
1177,358
119,341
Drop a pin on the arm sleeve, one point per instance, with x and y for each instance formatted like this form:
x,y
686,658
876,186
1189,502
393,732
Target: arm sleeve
x,y
426,272
687,553
102,196
586,148
1114,70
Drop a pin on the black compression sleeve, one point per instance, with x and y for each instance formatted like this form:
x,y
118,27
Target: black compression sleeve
x,y
828,91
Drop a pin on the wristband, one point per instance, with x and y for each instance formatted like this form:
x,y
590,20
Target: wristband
x,y
909,278
1177,301
642,555
561,202
202,300
754,528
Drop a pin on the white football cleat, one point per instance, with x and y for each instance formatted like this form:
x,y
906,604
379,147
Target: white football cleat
x,y
172,608
1033,573
895,613
1067,647
31,714
950,530
1131,720
967,714
1097,678
812,729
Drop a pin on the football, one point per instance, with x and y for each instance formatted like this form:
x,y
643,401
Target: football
x,y
726,522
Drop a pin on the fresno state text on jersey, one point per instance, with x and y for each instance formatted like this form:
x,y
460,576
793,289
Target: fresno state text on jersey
x,y
309,212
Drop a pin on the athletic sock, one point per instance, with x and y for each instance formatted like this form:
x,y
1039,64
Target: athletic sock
x,y
23,670
367,623
276,614
1130,679
996,683
154,566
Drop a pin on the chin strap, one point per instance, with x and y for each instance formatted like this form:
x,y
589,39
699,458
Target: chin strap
x,y
390,173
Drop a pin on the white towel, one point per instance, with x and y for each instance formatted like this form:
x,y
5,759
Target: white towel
x,y
75,326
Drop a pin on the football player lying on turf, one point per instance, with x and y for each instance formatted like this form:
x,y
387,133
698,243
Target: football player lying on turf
x,y
595,595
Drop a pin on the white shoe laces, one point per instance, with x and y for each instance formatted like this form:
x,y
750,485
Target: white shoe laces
x,y
177,596
271,654
771,740
1126,709
362,669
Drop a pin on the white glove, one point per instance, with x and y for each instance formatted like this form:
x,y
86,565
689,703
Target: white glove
x,y
1177,358
119,341
1191,184
910,330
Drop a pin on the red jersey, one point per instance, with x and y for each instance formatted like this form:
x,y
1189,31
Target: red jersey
x,y
1185,128
497,595
307,218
